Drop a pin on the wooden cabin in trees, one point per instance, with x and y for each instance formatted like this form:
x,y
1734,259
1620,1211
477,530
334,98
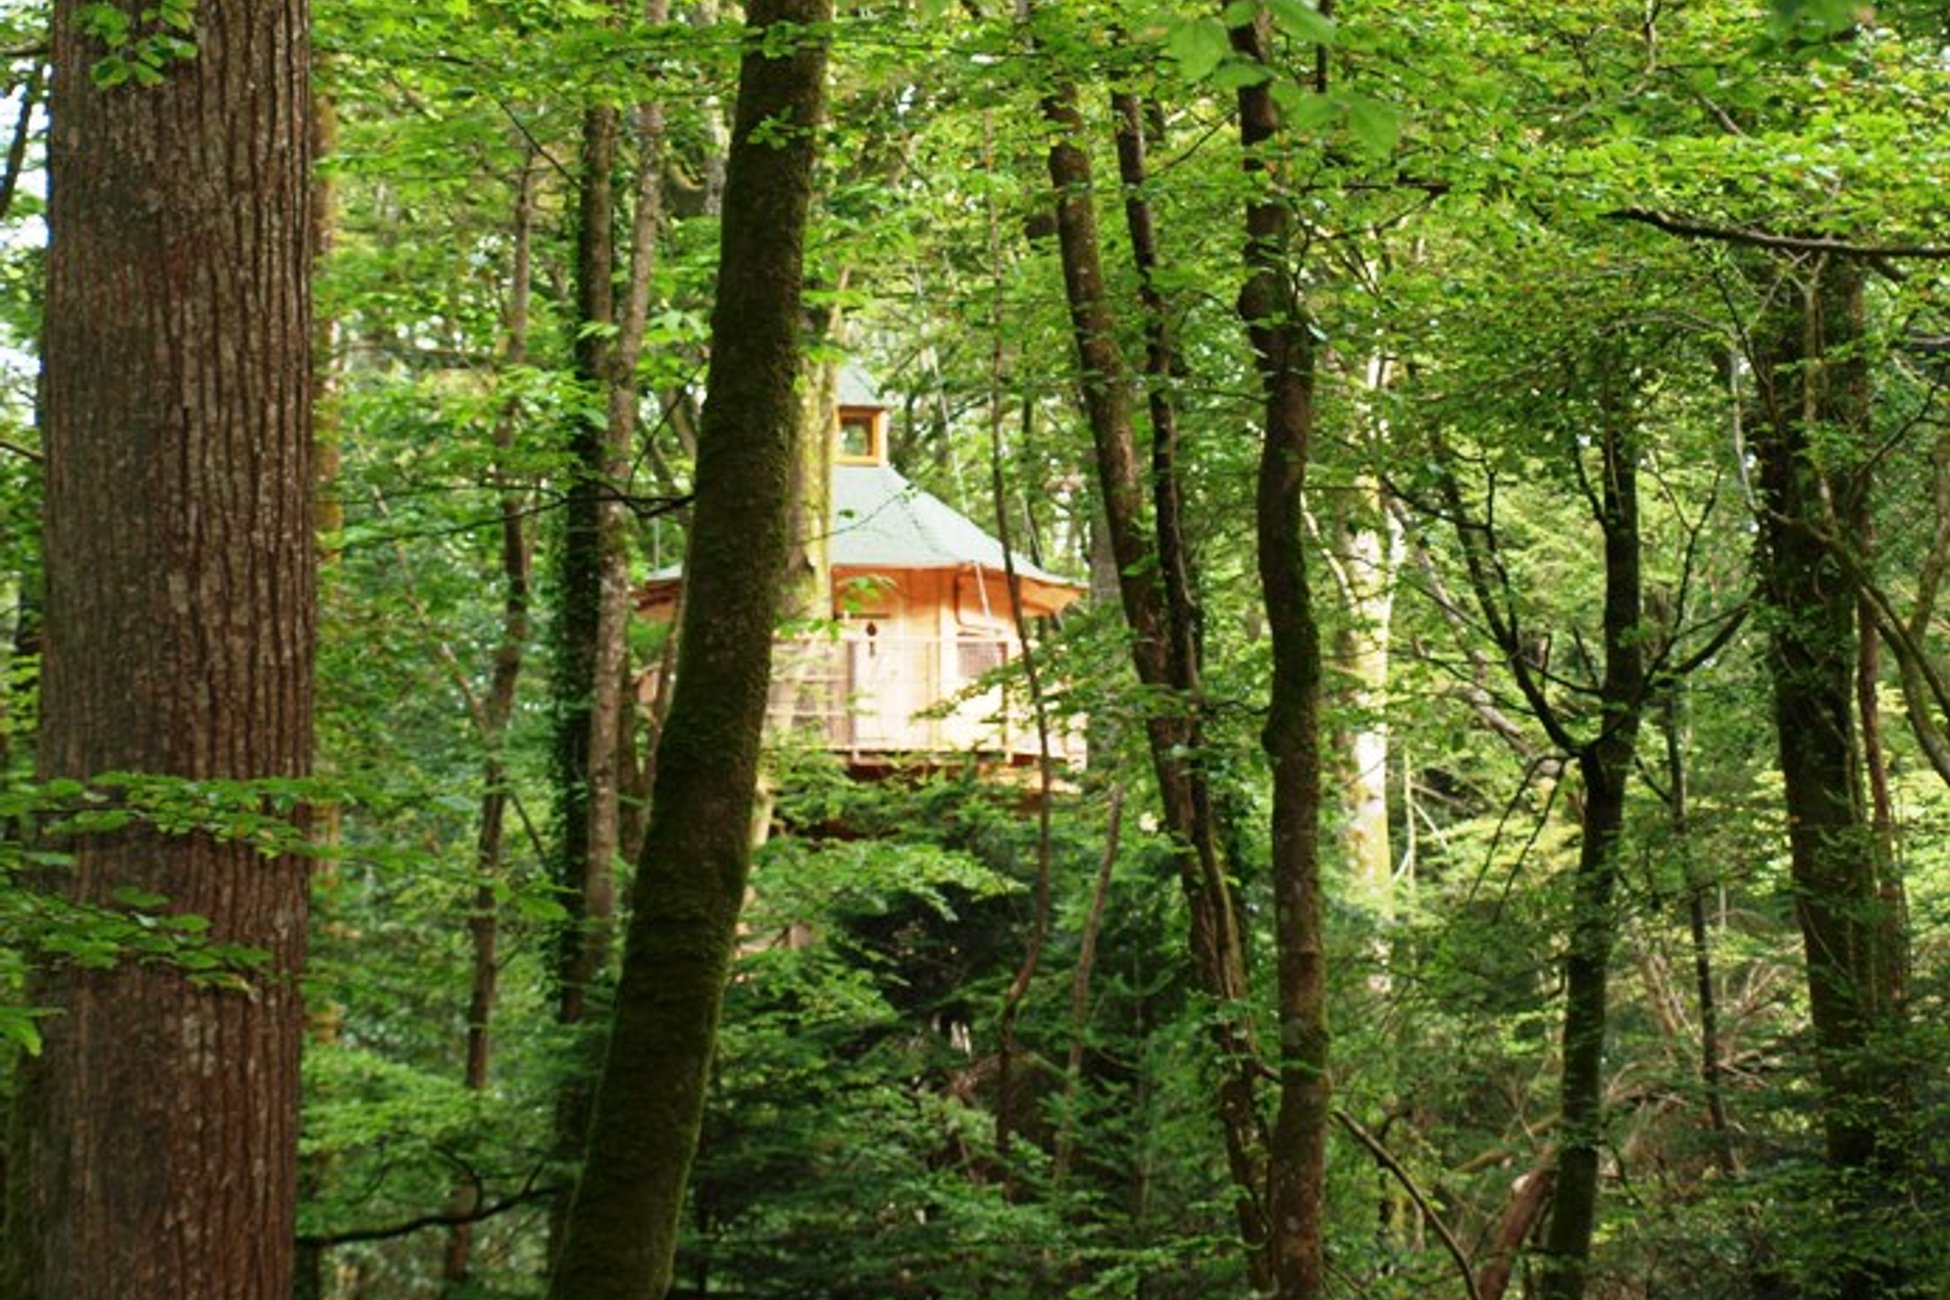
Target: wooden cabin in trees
x,y
904,675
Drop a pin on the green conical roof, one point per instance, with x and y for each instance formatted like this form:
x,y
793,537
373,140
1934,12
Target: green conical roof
x,y
880,520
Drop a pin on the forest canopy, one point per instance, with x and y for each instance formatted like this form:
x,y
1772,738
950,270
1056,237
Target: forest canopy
x,y
1485,830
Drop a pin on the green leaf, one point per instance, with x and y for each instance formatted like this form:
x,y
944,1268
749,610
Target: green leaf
x,y
1376,125
1302,21
107,23
1814,18
1305,111
17,1027
1199,46
1231,76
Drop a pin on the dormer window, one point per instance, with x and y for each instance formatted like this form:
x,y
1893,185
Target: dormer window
x,y
863,436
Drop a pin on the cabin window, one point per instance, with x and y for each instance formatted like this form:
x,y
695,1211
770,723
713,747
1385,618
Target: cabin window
x,y
976,658
861,438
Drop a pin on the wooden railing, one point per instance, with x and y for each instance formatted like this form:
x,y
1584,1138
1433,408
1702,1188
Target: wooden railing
x,y
871,696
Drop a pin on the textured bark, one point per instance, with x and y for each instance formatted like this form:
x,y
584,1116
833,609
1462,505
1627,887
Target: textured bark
x,y
587,890
324,1016
1812,384
622,1227
157,1133
1281,335
1218,952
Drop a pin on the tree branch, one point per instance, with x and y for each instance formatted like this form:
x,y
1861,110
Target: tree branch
x,y
446,1219
1386,1160
1684,228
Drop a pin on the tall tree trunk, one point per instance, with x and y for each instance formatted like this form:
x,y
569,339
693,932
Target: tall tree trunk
x,y
324,1016
157,1132
1812,388
497,709
581,803
1281,334
594,709
1605,761
621,1231
579,617
1217,949
1605,764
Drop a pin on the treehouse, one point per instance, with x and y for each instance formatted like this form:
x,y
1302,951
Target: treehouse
x,y
907,671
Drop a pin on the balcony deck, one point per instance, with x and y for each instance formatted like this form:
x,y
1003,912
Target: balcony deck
x,y
881,701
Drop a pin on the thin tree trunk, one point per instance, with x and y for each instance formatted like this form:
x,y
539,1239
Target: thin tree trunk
x,y
612,710
1605,763
1093,928
1281,335
324,1016
483,922
1182,618
1217,949
156,1134
593,701
1698,889
621,1231
589,901
580,617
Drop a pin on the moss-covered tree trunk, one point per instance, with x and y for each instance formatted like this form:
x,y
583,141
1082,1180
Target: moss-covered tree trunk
x,y
1812,396
621,1232
581,570
156,1135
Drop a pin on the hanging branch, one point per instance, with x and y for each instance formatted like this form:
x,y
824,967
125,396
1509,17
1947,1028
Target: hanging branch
x,y
1386,1160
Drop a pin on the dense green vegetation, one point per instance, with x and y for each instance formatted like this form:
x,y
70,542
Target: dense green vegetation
x,y
1545,258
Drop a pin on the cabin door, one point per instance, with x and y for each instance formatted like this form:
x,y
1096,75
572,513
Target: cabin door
x,y
867,612
876,693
